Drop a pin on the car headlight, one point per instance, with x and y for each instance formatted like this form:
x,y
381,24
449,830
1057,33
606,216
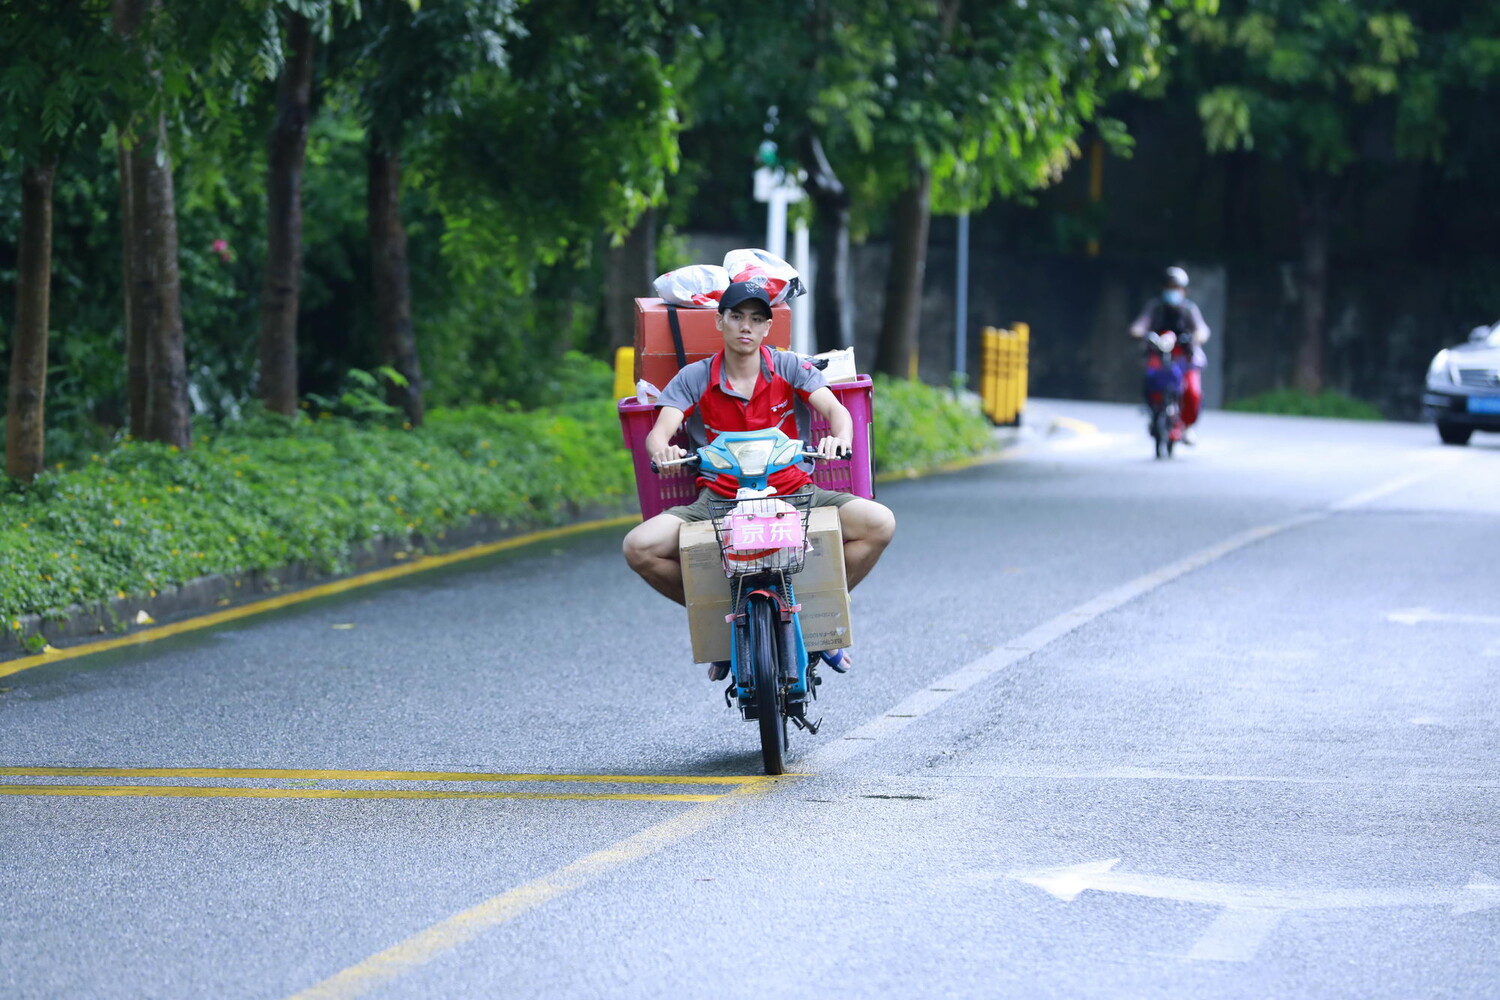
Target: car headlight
x,y
752,455
1441,370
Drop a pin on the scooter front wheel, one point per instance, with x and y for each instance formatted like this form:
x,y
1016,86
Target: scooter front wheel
x,y
766,663
1161,433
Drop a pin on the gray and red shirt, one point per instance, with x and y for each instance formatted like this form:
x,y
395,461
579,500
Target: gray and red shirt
x,y
779,399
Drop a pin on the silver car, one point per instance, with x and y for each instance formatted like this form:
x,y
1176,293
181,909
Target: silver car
x,y
1463,387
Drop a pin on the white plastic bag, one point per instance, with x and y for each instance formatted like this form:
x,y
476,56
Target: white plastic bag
x,y
759,267
645,392
697,286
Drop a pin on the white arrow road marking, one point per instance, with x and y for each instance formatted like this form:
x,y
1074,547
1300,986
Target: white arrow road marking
x,y
1251,911
1416,616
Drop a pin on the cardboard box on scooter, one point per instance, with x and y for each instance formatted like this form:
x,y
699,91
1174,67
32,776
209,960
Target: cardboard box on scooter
x,y
655,353
821,588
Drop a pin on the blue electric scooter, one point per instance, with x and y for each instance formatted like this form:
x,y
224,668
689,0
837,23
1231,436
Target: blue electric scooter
x,y
763,541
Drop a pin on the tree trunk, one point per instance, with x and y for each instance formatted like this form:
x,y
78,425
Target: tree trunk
x,y
155,363
25,424
629,270
168,416
286,151
903,287
392,275
127,16
136,377
1313,220
833,319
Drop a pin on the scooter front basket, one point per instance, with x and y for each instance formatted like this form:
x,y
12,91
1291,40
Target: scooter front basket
x,y
762,535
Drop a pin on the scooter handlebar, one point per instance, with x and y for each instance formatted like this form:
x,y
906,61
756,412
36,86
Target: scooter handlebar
x,y
686,460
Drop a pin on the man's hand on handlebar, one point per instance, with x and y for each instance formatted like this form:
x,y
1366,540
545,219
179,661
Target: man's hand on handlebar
x,y
671,453
834,447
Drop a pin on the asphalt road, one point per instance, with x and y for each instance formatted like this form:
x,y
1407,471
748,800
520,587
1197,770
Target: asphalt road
x,y
1224,726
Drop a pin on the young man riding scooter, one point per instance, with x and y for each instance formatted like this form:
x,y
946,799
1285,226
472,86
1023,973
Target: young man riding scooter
x,y
748,387
1173,311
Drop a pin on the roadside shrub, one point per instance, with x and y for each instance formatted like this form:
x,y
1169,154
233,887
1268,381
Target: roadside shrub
x,y
269,492
918,426
1296,403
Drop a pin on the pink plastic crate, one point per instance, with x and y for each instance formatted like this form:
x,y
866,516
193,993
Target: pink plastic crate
x,y
657,493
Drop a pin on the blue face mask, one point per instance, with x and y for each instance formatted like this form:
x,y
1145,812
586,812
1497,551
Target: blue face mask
x,y
1172,296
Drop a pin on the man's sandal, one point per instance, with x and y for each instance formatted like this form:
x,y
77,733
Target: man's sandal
x,y
838,659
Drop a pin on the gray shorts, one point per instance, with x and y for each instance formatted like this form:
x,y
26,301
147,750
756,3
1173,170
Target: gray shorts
x,y
698,509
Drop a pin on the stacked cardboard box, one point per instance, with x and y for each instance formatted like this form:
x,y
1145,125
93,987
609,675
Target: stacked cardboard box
x,y
821,588
655,353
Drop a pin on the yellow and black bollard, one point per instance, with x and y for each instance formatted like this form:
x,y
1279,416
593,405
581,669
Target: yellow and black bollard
x,y
624,372
1003,373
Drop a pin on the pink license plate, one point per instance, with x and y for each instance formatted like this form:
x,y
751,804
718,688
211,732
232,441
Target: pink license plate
x,y
765,531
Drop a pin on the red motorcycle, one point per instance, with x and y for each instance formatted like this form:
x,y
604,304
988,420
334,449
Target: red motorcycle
x,y
1167,363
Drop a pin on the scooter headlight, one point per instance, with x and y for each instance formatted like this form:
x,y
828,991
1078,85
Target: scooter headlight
x,y
717,460
753,456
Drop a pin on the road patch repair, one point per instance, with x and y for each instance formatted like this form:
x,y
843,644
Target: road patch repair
x,y
1237,933
256,783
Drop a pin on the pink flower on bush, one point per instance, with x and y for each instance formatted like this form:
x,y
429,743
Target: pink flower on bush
x,y
221,247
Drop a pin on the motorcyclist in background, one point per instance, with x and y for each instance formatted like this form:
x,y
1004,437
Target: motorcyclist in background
x,y
1174,311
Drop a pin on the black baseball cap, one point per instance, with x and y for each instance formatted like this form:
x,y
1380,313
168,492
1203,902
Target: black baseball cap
x,y
741,292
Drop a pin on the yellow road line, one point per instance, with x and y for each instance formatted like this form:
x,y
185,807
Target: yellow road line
x,y
421,565
327,775
448,934
233,792
1075,425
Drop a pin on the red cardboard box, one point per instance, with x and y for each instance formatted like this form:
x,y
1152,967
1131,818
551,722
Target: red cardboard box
x,y
655,355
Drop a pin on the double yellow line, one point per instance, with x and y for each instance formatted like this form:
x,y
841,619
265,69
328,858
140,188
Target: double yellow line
x,y
266,774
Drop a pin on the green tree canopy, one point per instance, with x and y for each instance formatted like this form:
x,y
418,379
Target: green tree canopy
x,y
1321,86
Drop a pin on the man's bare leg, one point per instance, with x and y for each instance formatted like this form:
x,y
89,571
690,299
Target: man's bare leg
x,y
651,546
651,550
868,528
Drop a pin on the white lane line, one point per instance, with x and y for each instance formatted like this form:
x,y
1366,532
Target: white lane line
x,y
1396,485
939,692
1416,616
1148,774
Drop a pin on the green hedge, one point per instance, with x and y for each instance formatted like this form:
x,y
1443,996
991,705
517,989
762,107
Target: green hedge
x,y
919,427
267,492
1296,403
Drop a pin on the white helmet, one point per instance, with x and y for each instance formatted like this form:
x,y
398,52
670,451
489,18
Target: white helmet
x,y
1175,277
